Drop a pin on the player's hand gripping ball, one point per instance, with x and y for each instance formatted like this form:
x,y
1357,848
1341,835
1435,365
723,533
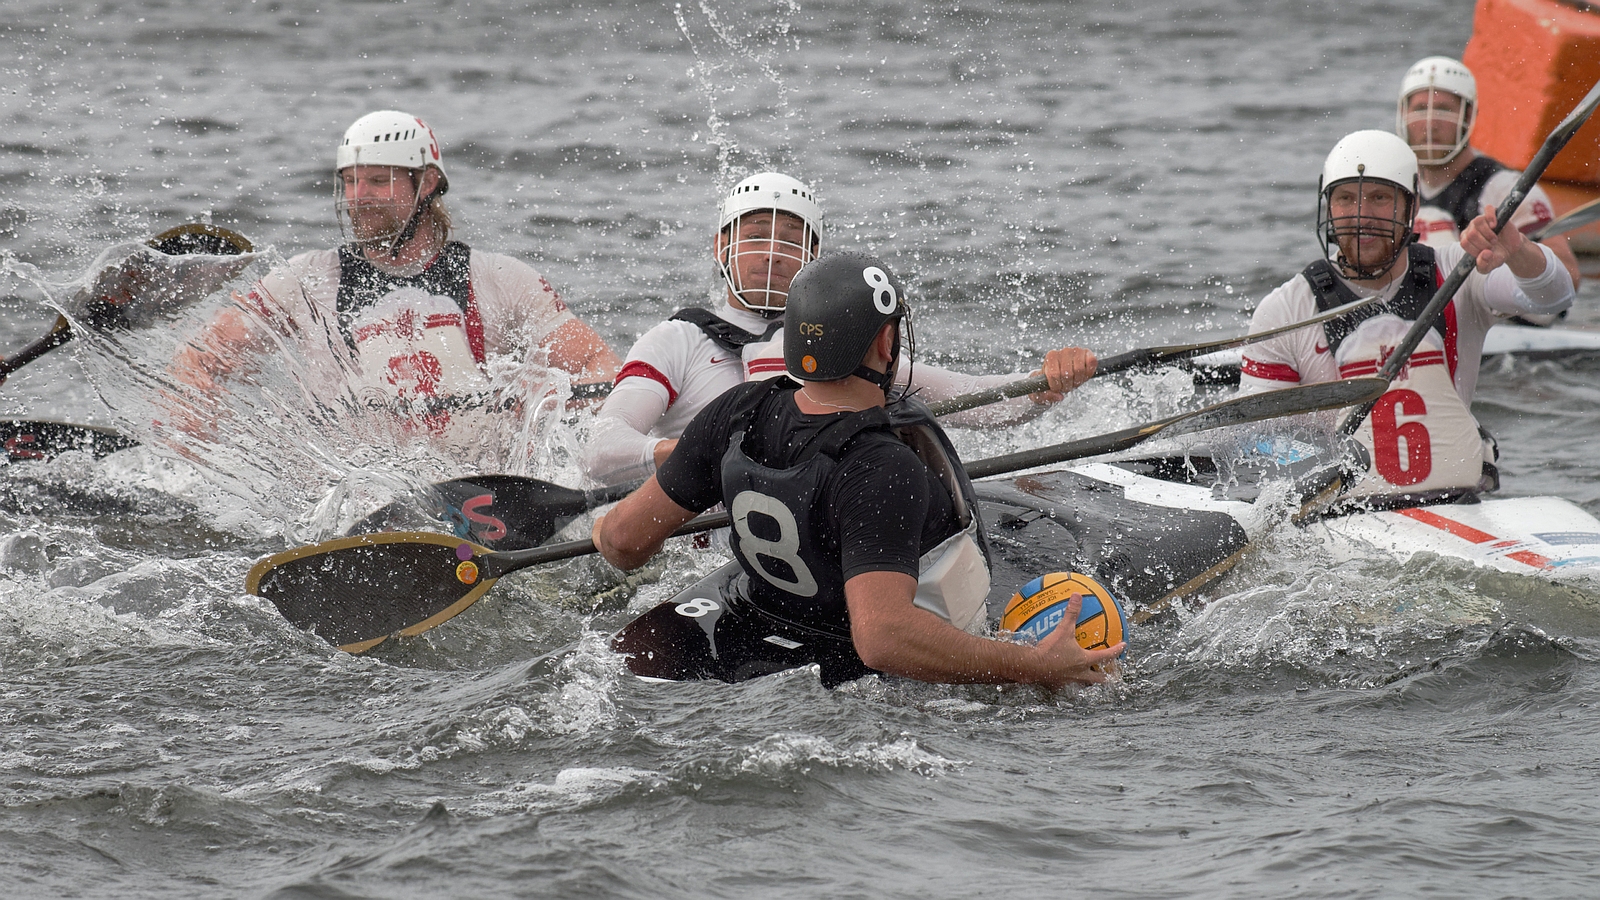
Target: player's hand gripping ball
x,y
1036,610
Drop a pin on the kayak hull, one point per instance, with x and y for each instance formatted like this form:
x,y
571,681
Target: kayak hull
x,y
1540,536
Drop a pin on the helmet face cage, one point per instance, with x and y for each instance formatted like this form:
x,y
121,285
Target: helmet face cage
x,y
396,237
1395,224
764,249
342,203
1459,121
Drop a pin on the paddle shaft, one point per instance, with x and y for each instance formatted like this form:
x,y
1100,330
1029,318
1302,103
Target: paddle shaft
x,y
55,337
497,564
1573,220
1132,359
1240,410
1458,276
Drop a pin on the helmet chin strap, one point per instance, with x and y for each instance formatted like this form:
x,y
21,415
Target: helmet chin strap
x,y
885,379
882,379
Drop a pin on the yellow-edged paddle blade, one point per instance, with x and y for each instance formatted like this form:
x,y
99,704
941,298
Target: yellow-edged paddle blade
x,y
358,591
199,237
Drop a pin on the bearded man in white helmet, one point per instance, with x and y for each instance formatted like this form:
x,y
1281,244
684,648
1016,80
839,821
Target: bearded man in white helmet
x,y
421,314
1422,438
1437,110
770,225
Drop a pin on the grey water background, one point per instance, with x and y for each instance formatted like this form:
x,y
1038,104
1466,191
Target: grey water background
x,y
1110,174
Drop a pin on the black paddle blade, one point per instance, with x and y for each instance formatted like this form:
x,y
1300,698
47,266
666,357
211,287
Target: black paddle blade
x,y
198,237
45,440
358,591
501,512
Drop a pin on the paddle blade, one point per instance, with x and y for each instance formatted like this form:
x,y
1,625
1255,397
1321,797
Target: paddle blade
x,y
199,237
45,440
358,591
502,512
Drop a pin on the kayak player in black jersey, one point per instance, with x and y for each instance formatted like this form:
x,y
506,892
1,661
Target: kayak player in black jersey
x,y
853,521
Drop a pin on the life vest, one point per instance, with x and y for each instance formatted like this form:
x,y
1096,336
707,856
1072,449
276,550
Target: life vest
x,y
1421,436
418,339
1441,220
721,332
790,558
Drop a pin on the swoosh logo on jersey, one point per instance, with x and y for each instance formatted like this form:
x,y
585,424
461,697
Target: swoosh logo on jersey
x,y
1321,348
714,360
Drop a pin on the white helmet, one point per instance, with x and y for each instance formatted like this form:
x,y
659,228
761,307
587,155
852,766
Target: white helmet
x,y
1367,156
769,191
390,138
1438,74
773,193
1371,154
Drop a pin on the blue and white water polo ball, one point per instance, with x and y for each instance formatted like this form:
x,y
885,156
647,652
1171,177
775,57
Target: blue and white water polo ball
x,y
1036,610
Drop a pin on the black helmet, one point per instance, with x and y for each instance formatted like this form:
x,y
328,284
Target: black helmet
x,y
836,307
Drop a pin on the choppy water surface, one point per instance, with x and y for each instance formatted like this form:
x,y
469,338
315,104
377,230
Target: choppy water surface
x,y
1109,174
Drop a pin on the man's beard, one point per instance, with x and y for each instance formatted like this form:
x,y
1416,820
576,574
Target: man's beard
x,y
1370,262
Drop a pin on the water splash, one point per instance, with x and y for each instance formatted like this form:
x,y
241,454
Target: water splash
x,y
735,52
260,394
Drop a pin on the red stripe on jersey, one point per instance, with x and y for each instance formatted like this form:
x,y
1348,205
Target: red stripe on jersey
x,y
1359,368
1450,353
474,325
1365,367
769,364
637,369
439,320
1269,371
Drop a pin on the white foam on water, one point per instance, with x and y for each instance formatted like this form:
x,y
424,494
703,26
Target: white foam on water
x,y
784,754
571,788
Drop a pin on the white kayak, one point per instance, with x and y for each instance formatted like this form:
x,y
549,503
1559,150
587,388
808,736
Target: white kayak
x,y
1150,558
1545,537
1222,367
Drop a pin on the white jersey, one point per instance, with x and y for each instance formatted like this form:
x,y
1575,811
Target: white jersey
x,y
1301,356
420,352
1437,222
674,370
1421,434
515,308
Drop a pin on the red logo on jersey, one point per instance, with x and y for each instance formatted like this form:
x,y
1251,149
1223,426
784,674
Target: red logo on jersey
x,y
416,373
1321,348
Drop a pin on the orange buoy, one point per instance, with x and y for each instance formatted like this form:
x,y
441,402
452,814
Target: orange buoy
x,y
1534,60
